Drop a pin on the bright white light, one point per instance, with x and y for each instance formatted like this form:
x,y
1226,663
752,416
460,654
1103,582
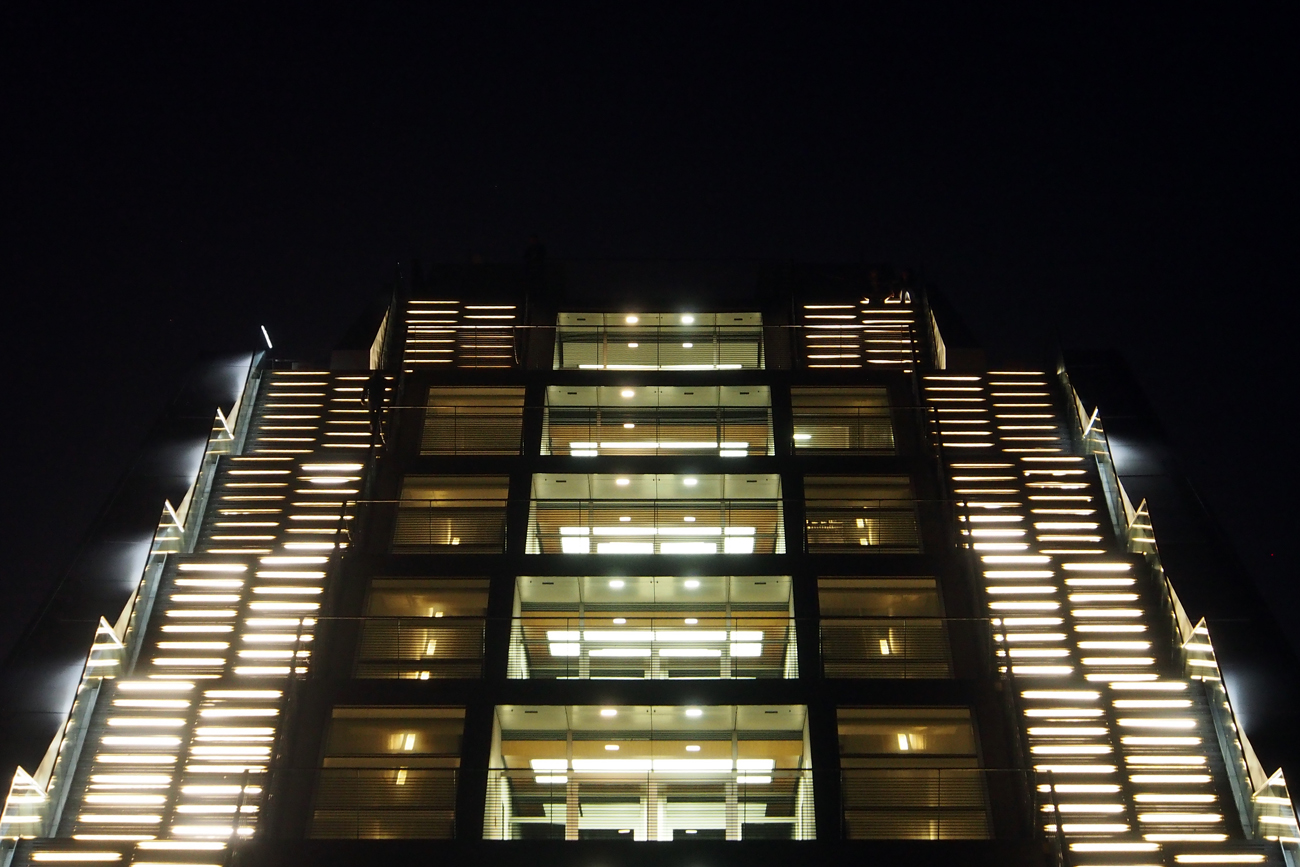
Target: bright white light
x,y
566,650
686,547
688,319
691,584
619,621
608,711
549,765
694,712
616,584
690,483
688,345
692,748
627,392
633,345
575,545
738,545
622,482
631,320
625,548
628,425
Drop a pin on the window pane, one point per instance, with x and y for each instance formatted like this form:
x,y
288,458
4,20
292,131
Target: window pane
x,y
452,514
389,773
847,514
725,421
852,420
659,341
650,773
911,774
882,627
656,514
653,627
423,628
473,421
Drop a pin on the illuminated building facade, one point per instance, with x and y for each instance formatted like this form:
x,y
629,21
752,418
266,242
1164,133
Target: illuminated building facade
x,y
741,564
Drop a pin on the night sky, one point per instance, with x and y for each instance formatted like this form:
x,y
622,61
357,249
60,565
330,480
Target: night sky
x,y
176,175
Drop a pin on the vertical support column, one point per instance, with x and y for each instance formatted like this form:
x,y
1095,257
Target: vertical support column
x,y
471,783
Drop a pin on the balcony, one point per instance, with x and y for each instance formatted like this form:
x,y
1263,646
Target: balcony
x,y
659,341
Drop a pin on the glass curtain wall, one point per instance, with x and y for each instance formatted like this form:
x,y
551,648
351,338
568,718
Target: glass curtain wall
x,y
650,773
656,513
653,627
718,421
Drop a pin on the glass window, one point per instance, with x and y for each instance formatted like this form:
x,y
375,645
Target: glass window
x,y
882,627
650,773
473,421
911,774
423,628
389,773
452,514
847,514
653,627
656,514
659,341
853,420
726,421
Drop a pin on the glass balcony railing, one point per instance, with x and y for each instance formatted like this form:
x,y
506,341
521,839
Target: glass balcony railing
x,y
601,647
650,799
659,341
678,527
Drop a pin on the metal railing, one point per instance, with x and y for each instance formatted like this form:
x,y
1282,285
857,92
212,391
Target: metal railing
x,y
849,429
420,648
861,528
472,430
709,431
450,526
655,805
656,527
385,803
920,803
887,647
664,347
552,646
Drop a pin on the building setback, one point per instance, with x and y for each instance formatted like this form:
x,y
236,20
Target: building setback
x,y
601,562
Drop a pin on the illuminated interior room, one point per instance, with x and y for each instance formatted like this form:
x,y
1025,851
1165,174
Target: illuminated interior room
x,y
658,627
650,773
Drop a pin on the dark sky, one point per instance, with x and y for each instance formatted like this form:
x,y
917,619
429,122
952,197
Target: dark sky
x,y
175,175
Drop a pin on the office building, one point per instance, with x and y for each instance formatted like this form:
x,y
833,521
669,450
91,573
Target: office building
x,y
606,563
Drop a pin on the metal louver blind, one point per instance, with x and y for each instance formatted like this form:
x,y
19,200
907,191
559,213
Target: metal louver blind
x,y
885,648
421,648
385,803
450,529
915,804
859,529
